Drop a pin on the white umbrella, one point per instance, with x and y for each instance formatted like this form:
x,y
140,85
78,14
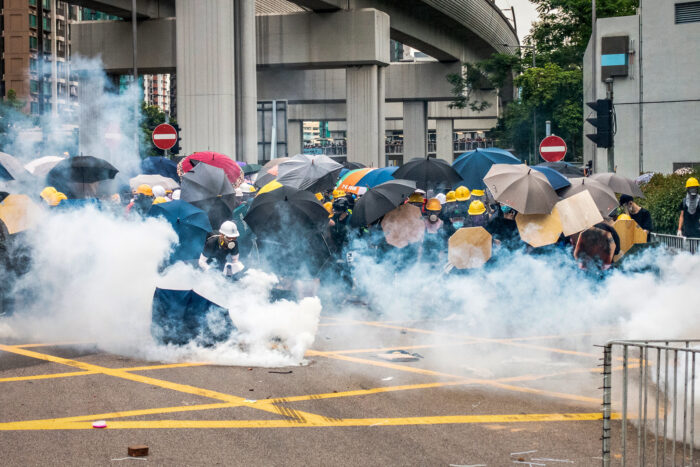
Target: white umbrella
x,y
153,180
42,165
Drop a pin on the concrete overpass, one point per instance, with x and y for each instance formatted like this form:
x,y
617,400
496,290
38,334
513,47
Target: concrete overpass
x,y
316,54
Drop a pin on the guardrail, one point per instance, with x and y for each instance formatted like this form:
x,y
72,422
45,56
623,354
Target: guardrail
x,y
656,404
675,242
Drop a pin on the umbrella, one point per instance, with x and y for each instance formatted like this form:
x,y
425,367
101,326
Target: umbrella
x,y
644,178
473,166
353,165
250,168
567,169
380,200
618,184
403,225
578,212
309,172
153,180
602,195
159,165
208,188
74,175
277,208
377,176
263,179
469,247
183,316
41,166
522,188
428,173
190,223
275,162
80,203
233,171
11,168
539,229
557,180
18,213
630,233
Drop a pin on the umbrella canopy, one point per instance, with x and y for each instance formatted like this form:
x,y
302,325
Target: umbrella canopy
x,y
557,180
189,222
183,316
522,188
309,172
469,248
41,166
159,165
11,168
208,188
602,195
274,162
380,200
567,169
274,210
74,176
428,173
233,171
618,184
539,229
377,176
352,177
250,168
18,213
578,212
473,166
264,178
153,180
403,226
353,165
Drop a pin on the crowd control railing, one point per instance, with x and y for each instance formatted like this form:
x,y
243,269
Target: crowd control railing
x,y
649,403
675,242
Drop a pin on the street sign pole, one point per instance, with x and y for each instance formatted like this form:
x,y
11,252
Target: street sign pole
x,y
611,149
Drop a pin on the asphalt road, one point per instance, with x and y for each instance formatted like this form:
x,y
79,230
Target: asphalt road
x,y
466,400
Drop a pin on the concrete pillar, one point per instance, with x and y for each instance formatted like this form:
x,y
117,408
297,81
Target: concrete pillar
x,y
246,83
90,92
295,137
205,43
444,132
381,114
54,67
364,108
415,130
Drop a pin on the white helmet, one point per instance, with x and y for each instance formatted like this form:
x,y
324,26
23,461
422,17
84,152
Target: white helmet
x,y
229,229
158,191
441,197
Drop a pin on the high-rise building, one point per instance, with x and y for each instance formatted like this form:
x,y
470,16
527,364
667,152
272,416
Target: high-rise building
x,y
157,91
36,49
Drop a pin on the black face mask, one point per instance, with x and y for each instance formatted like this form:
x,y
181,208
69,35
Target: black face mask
x,y
693,191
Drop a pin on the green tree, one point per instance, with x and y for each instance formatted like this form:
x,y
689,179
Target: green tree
x,y
151,117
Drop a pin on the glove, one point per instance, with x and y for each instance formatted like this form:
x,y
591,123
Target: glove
x,y
679,233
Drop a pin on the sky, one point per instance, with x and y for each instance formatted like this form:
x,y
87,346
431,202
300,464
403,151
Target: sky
x,y
525,14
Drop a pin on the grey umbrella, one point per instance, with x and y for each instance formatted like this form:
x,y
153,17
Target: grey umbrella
x,y
619,184
602,195
521,187
11,168
309,172
208,188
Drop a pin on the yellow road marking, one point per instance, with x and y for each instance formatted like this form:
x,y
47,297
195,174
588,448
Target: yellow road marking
x,y
52,344
320,422
84,373
163,366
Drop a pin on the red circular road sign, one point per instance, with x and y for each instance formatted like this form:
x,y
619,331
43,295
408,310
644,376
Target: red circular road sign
x,y
552,149
164,136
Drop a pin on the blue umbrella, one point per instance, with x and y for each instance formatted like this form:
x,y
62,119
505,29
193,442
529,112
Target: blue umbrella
x,y
377,176
189,222
158,165
557,180
78,203
183,316
473,166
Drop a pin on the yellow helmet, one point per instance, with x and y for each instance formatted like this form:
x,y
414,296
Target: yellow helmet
x,y
462,193
338,193
329,207
433,204
624,217
47,193
319,196
144,190
478,193
416,198
476,208
692,182
56,198
450,197
159,200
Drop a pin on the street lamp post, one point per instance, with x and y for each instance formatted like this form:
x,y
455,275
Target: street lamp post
x,y
534,112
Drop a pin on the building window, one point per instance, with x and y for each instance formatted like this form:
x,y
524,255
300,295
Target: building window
x,y
33,42
32,2
33,86
32,21
33,65
47,46
46,4
47,87
34,108
46,23
688,12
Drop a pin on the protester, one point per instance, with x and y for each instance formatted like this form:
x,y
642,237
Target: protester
x,y
434,240
503,228
606,226
142,202
477,214
221,251
340,224
640,215
158,191
417,199
689,220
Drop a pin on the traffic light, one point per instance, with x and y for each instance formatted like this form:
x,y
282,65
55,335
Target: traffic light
x,y
176,149
603,122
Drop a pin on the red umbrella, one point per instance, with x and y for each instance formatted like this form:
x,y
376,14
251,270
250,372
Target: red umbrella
x,y
229,166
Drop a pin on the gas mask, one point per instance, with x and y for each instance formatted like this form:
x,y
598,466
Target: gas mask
x,y
231,245
693,191
433,218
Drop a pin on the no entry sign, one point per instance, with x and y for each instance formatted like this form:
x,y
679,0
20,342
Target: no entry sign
x,y
164,136
552,149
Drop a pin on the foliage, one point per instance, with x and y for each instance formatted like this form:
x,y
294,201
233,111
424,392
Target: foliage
x,y
151,117
663,195
492,73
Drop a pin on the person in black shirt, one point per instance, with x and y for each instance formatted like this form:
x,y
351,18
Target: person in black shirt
x,y
640,215
503,228
221,251
689,221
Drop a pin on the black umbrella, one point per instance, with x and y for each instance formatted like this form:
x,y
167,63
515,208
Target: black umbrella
x,y
74,175
275,210
208,188
428,173
263,179
379,200
565,168
353,165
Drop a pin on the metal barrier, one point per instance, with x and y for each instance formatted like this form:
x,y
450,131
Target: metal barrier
x,y
675,242
663,427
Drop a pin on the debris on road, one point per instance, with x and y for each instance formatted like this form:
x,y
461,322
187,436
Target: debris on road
x,y
99,424
289,372
399,356
520,453
388,378
544,459
138,450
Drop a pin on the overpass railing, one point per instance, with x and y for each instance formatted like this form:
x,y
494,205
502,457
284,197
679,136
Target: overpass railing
x,y
675,242
650,385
